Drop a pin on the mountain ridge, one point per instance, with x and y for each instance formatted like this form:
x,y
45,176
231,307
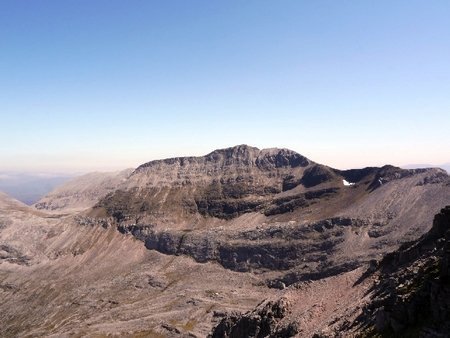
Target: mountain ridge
x,y
242,153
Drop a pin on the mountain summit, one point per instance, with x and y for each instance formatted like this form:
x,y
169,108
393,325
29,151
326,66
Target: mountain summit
x,y
239,156
223,184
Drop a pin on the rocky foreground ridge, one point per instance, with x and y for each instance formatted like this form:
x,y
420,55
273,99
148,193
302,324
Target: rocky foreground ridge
x,y
411,293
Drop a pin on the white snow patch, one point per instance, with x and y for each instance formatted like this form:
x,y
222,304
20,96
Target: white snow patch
x,y
347,183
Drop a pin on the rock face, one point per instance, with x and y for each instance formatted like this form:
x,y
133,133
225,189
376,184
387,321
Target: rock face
x,y
262,322
223,184
307,252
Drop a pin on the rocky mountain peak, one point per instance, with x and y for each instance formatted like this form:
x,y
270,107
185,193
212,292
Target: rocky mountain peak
x,y
239,151
274,157
240,156
263,159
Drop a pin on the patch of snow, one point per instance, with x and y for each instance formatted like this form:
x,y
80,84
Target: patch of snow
x,y
347,183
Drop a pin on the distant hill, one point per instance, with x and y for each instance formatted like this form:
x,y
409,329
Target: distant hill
x,y
29,188
445,166
82,192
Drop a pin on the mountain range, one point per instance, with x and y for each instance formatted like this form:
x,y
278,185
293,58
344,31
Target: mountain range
x,y
445,166
241,242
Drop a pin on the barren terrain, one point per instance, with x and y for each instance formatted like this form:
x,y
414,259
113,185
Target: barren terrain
x,y
180,246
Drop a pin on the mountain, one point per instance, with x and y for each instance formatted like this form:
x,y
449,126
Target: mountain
x,y
190,246
445,166
274,210
19,224
228,183
10,204
81,192
29,188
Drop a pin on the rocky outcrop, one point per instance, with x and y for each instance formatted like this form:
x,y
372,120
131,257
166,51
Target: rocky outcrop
x,y
277,247
264,321
390,173
318,174
412,295
13,255
228,208
286,204
239,156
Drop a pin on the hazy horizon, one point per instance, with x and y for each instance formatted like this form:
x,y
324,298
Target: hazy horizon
x,y
108,85
73,172
29,187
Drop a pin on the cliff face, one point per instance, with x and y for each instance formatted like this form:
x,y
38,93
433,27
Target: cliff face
x,y
241,170
233,159
299,252
262,322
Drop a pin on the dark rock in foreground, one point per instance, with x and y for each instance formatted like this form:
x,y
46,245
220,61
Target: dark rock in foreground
x,y
412,297
262,322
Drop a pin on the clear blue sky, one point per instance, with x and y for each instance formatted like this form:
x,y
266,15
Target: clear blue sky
x,y
110,84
